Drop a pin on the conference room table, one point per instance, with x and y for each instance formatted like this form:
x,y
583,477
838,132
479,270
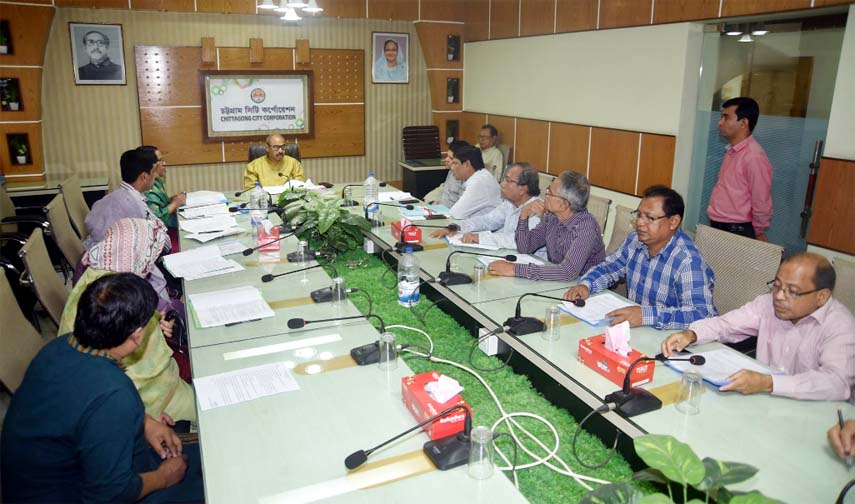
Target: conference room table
x,y
290,447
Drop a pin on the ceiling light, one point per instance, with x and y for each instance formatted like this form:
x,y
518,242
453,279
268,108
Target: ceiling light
x,y
313,7
283,6
297,4
732,30
267,4
759,32
746,38
290,15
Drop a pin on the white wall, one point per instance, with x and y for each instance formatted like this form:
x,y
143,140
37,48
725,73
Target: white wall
x,y
840,142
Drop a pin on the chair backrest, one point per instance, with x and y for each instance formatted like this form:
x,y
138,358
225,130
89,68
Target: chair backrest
x,y
421,142
63,234
624,224
19,339
742,266
293,150
505,149
844,289
7,209
49,288
75,205
256,150
599,208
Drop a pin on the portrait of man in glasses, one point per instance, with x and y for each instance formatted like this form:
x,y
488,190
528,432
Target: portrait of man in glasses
x,y
97,51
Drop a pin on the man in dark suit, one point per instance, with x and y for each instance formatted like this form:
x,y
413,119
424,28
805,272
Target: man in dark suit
x,y
99,67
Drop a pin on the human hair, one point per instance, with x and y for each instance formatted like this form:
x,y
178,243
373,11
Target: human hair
x,y
493,131
390,41
471,154
148,148
529,177
824,276
90,32
112,308
746,108
672,202
457,145
135,162
575,188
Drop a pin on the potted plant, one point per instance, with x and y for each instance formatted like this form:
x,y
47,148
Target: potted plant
x,y
4,42
21,150
320,220
11,98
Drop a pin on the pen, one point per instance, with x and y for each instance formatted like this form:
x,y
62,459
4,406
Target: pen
x,y
840,422
242,322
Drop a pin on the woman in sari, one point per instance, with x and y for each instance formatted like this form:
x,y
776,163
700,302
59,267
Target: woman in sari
x,y
132,246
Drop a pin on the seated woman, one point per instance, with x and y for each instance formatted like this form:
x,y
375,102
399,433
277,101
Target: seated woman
x,y
132,246
161,204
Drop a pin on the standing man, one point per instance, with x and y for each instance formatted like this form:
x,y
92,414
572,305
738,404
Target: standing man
x,y
494,161
96,45
741,201
481,193
275,168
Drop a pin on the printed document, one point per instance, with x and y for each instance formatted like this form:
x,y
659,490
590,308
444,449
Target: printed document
x,y
198,263
720,364
208,224
234,387
202,198
204,211
596,307
486,242
208,236
229,306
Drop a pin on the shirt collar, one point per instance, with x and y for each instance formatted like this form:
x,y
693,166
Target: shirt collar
x,y
472,179
128,187
105,61
821,313
741,145
666,250
573,220
75,344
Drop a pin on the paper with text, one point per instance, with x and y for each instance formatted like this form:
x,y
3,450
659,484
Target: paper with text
x,y
198,263
457,241
208,224
206,237
596,307
235,387
202,198
720,364
230,306
204,211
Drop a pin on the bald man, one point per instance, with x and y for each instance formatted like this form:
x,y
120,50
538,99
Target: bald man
x,y
802,332
275,168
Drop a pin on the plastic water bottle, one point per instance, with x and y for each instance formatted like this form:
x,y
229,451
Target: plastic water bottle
x,y
257,206
372,196
408,279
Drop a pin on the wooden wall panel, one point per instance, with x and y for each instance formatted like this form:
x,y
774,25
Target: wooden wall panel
x,y
669,11
178,134
339,131
226,6
504,18
237,58
568,148
477,13
39,2
443,10
537,17
823,3
393,9
30,28
576,15
470,126
168,76
433,37
101,4
617,13
30,82
833,223
344,8
532,137
614,159
34,133
741,7
439,120
339,75
439,92
505,125
657,161
164,5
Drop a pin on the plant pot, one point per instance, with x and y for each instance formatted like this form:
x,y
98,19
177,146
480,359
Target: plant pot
x,y
14,105
4,49
21,159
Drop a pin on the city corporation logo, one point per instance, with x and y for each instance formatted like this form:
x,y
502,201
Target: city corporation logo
x,y
257,95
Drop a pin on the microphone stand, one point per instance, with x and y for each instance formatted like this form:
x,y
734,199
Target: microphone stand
x,y
249,251
632,401
520,326
403,244
449,277
270,278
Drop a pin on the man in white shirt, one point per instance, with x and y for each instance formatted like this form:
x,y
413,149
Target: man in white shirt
x,y
494,161
519,188
481,193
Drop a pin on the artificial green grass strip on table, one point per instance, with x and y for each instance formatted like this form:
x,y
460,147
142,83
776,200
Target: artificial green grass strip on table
x,y
452,342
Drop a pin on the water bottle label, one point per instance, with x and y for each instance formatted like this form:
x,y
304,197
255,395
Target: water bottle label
x,y
408,293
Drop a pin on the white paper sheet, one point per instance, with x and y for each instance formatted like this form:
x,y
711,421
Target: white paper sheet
x,y
206,237
235,387
230,306
720,364
596,307
231,247
457,241
208,224
275,190
204,211
391,196
202,198
201,262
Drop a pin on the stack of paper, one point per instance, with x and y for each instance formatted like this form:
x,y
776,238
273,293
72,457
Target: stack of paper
x,y
231,247
198,263
202,198
230,306
486,242
719,365
275,190
208,224
204,211
234,387
596,307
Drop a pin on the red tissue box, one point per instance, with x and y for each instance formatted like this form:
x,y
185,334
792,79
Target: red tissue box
x,y
593,353
422,406
268,241
412,234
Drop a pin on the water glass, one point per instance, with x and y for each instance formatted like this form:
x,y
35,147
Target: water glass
x,y
481,453
551,324
338,289
347,194
388,352
478,273
689,400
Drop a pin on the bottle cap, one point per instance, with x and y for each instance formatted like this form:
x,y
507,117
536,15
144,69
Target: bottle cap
x,y
408,250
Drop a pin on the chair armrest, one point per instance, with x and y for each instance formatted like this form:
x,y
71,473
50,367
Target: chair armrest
x,y
26,219
14,237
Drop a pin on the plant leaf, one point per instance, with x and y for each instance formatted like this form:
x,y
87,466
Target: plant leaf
x,y
657,498
649,474
719,474
614,493
327,215
675,459
754,497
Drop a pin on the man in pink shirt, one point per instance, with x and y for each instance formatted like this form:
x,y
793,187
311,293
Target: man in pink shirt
x,y
741,201
802,333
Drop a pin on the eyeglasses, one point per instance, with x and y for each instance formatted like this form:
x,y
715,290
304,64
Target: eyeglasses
x,y
510,180
99,43
638,216
549,194
277,147
775,287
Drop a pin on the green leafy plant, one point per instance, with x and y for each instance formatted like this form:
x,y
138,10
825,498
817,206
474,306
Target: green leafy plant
x,y
322,221
670,461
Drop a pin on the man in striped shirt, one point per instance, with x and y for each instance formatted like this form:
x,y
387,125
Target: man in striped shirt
x,y
664,271
571,235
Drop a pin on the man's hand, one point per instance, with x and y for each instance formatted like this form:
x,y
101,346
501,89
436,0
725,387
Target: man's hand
x,y
470,238
678,341
501,268
441,233
172,470
748,382
162,438
166,326
760,235
535,208
577,292
841,440
628,313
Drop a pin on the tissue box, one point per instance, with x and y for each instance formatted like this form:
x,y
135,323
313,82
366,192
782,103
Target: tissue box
x,y
593,353
265,239
412,234
422,406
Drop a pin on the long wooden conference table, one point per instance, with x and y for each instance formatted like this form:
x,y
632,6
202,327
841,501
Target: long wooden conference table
x,y
290,447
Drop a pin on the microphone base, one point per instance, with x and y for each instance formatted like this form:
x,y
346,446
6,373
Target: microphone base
x,y
366,354
401,246
285,228
635,402
295,256
323,295
523,325
454,278
349,203
448,452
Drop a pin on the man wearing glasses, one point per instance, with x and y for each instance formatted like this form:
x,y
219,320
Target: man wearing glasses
x,y
665,273
801,331
96,45
275,168
494,161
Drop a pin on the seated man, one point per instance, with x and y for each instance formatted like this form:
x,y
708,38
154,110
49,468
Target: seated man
x,y
664,271
801,330
76,430
520,189
275,168
481,193
127,201
494,160
571,235
449,191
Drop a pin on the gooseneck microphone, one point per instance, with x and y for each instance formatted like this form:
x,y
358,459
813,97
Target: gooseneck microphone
x,y
445,453
631,401
697,360
241,192
519,325
402,244
449,277
249,251
269,278
408,207
239,208
299,323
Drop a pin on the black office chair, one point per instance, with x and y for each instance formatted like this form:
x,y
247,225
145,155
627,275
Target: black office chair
x,y
256,151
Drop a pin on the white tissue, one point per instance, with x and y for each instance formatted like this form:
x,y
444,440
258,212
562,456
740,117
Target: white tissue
x,y
617,338
267,225
443,389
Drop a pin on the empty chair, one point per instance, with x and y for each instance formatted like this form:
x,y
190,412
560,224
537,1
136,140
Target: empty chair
x,y
11,222
844,290
49,289
75,205
19,339
599,208
742,266
544,179
66,239
624,224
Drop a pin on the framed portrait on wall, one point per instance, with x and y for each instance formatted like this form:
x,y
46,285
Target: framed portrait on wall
x,y
97,53
391,56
